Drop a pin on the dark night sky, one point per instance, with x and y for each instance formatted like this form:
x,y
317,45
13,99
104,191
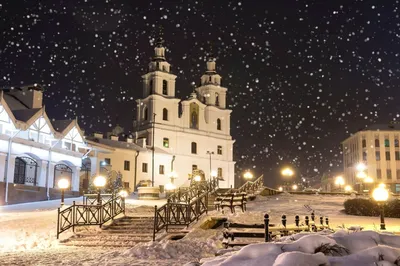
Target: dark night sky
x,y
302,75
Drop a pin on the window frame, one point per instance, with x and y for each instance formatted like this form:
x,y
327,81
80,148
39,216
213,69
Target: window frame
x,y
219,150
165,114
219,126
161,169
127,165
193,147
165,87
166,141
144,168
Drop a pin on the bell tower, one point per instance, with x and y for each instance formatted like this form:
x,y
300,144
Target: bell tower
x,y
159,79
210,91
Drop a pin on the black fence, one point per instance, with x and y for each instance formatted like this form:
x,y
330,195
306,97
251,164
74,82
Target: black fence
x,y
89,214
184,206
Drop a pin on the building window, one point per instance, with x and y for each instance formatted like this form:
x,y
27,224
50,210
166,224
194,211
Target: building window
x,y
151,87
146,114
165,87
144,167
166,142
364,143
216,99
127,165
194,116
378,155
396,143
387,155
364,156
194,148
389,174
378,173
397,155
220,172
107,161
387,143
218,124
165,114
219,150
377,143
194,167
161,170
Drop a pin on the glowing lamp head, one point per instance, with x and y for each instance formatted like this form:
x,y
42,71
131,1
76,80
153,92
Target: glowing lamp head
x,y
294,187
380,194
368,180
123,193
280,188
197,178
63,183
287,172
248,175
382,185
339,181
361,175
214,173
361,167
99,181
348,188
170,187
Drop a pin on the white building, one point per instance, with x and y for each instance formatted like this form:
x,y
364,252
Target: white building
x,y
188,134
378,148
34,151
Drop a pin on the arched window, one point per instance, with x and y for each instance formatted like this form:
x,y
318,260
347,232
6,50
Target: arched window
x,y
364,143
377,143
194,148
194,116
165,114
165,87
25,171
218,124
62,171
146,114
216,99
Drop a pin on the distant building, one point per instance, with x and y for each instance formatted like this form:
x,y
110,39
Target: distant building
x,y
191,134
35,152
377,147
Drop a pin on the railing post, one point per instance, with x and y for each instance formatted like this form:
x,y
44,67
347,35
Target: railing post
x,y
313,216
321,220
155,223
58,222
167,216
307,222
188,213
327,221
73,216
266,227
297,220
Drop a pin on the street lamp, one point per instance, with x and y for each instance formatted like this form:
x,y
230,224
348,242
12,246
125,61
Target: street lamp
x,y
123,193
248,175
169,188
197,178
280,188
369,180
361,167
287,173
348,188
63,184
99,182
339,182
210,153
294,187
381,195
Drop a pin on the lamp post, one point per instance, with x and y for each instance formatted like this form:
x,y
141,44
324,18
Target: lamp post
x,y
152,150
123,193
361,167
381,195
63,184
210,153
369,180
169,187
339,181
280,188
99,182
248,176
287,173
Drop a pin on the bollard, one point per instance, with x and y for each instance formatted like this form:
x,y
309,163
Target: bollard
x,y
327,221
297,220
313,216
284,220
266,227
321,220
307,221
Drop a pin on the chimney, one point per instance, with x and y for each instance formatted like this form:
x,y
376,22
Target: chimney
x,y
142,142
98,135
114,138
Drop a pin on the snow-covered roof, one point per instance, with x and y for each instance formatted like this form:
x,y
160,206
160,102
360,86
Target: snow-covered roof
x,y
116,144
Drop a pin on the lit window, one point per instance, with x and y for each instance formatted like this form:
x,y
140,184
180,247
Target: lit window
x,y
387,143
165,87
166,142
220,172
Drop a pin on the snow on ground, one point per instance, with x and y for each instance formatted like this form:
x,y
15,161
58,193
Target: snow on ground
x,y
28,233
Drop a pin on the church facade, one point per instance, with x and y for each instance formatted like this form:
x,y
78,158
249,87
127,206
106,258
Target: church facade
x,y
187,135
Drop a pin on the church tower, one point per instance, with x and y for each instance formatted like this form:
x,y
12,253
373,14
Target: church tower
x,y
210,91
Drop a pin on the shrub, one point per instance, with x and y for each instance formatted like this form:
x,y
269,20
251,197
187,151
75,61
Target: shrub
x,y
368,207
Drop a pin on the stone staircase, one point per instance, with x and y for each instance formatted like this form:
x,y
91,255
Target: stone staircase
x,y
123,232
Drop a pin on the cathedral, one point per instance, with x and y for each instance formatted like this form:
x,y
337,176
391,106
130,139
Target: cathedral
x,y
173,139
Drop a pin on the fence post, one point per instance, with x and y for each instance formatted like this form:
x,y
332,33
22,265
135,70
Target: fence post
x,y
167,215
266,227
284,220
188,213
321,220
58,222
327,221
307,222
313,216
73,216
155,222
297,220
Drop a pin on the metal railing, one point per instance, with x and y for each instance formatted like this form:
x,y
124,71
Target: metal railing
x,y
89,214
90,199
251,186
184,206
